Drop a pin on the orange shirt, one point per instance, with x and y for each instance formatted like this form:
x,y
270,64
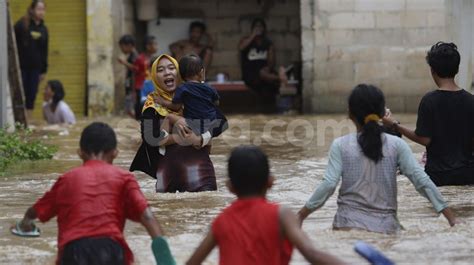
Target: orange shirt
x,y
248,232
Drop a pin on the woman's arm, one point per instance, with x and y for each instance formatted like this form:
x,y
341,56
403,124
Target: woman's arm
x,y
328,185
423,184
203,250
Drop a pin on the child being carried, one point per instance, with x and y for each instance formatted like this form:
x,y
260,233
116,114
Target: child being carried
x,y
198,99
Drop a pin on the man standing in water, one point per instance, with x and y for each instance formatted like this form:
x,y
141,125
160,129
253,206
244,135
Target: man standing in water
x,y
199,42
445,122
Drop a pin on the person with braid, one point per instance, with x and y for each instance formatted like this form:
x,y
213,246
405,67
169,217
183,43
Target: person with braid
x,y
367,162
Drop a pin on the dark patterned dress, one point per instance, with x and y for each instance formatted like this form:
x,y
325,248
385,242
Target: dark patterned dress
x,y
181,168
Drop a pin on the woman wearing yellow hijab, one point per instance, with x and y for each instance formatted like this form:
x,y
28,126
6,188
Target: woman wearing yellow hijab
x,y
170,162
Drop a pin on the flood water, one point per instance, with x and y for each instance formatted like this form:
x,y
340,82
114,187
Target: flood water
x,y
298,158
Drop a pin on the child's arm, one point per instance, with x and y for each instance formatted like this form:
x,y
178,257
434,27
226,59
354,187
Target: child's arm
x,y
292,231
168,104
203,250
27,223
159,246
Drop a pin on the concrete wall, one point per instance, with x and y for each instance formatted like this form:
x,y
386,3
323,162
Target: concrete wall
x,y
229,20
346,42
100,54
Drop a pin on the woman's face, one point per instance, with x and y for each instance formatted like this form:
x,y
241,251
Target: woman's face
x,y
167,75
39,11
48,93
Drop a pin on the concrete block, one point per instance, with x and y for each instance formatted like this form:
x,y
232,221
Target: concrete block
x,y
334,37
388,20
379,37
335,5
425,5
406,86
424,36
227,41
307,37
393,53
306,13
436,19
341,86
342,70
361,20
294,24
418,53
379,5
415,19
292,42
373,70
277,24
417,69
287,8
354,53
328,103
223,25
320,70
231,8
225,58
321,53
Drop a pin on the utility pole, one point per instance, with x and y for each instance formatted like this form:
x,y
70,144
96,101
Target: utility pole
x,y
3,63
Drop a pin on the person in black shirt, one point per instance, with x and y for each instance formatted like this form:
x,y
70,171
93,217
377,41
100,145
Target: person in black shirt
x,y
32,41
257,58
445,122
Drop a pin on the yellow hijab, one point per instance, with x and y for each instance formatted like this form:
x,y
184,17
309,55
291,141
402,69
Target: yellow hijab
x,y
150,102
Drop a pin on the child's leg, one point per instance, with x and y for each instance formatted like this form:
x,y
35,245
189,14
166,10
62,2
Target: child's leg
x,y
171,121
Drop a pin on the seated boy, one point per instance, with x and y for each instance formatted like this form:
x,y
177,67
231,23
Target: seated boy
x,y
199,100
252,230
91,203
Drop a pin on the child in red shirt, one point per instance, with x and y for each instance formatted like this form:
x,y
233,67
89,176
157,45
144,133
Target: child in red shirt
x,y
91,203
252,230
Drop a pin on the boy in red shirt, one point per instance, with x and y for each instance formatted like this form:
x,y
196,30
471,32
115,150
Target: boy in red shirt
x,y
252,230
91,203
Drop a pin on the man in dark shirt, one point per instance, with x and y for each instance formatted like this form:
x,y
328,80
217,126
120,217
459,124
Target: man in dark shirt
x,y
445,122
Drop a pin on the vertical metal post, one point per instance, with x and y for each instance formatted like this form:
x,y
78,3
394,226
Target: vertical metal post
x,y
3,63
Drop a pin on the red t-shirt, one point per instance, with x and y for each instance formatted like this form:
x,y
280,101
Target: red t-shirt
x,y
93,200
141,68
248,232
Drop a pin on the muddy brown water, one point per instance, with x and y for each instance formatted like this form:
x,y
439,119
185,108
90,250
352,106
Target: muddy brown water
x,y
297,147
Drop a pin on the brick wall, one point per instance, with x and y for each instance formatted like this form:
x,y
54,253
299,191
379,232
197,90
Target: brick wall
x,y
346,42
229,20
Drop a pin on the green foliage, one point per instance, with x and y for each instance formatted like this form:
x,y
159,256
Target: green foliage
x,y
20,146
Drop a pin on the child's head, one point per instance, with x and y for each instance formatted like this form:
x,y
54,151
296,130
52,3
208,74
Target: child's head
x,y
444,59
366,108
98,142
54,91
127,43
151,46
249,172
191,67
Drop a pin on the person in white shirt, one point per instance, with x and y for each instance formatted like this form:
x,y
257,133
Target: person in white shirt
x,y
55,110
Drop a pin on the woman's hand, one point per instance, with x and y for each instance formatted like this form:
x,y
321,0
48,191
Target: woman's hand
x,y
189,137
449,215
302,214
